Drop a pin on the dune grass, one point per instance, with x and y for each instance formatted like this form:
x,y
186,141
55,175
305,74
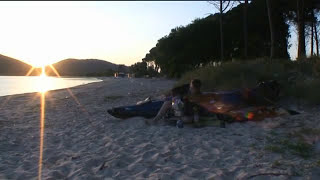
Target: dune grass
x,y
298,79
285,145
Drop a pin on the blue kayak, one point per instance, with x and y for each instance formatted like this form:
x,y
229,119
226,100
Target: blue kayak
x,y
147,110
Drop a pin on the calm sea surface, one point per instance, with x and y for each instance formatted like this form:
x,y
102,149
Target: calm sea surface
x,y
10,85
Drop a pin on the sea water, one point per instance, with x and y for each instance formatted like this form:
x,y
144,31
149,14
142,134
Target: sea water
x,y
10,85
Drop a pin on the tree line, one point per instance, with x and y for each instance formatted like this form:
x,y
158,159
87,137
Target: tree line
x,y
252,29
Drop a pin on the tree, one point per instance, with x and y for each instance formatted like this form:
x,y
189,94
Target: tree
x,y
300,12
121,68
311,40
301,29
139,69
245,28
269,7
222,5
315,13
315,24
197,44
316,38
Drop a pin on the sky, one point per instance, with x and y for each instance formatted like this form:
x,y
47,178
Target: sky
x,y
41,33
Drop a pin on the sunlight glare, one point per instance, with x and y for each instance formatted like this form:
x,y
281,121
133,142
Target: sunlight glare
x,y
44,82
43,75
43,87
42,120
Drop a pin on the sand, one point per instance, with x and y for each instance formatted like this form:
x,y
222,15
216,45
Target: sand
x,y
85,142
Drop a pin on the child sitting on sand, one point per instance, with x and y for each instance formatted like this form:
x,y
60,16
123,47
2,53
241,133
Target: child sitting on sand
x,y
179,93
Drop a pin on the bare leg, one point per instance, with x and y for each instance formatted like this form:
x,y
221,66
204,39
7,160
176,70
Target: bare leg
x,y
164,109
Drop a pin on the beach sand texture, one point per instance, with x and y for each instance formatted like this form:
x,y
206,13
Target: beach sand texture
x,y
85,142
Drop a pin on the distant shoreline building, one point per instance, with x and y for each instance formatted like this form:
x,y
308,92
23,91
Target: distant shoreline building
x,y
120,74
131,75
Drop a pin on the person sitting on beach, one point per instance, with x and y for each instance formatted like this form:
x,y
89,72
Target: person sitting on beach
x,y
190,109
179,93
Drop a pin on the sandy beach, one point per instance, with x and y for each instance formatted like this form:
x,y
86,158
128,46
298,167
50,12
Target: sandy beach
x,y
82,141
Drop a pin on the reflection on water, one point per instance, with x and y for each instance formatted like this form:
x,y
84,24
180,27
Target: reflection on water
x,y
10,85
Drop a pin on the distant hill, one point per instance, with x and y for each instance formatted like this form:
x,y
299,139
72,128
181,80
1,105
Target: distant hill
x,y
68,67
13,67
83,67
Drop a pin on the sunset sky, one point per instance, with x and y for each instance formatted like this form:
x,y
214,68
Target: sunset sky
x,y
45,32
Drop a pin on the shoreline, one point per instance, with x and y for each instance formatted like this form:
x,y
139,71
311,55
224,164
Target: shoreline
x,y
82,141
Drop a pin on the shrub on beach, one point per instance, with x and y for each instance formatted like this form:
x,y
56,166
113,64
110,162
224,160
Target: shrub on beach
x,y
299,79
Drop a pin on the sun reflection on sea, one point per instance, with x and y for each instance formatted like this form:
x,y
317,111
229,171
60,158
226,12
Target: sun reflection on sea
x,y
44,83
